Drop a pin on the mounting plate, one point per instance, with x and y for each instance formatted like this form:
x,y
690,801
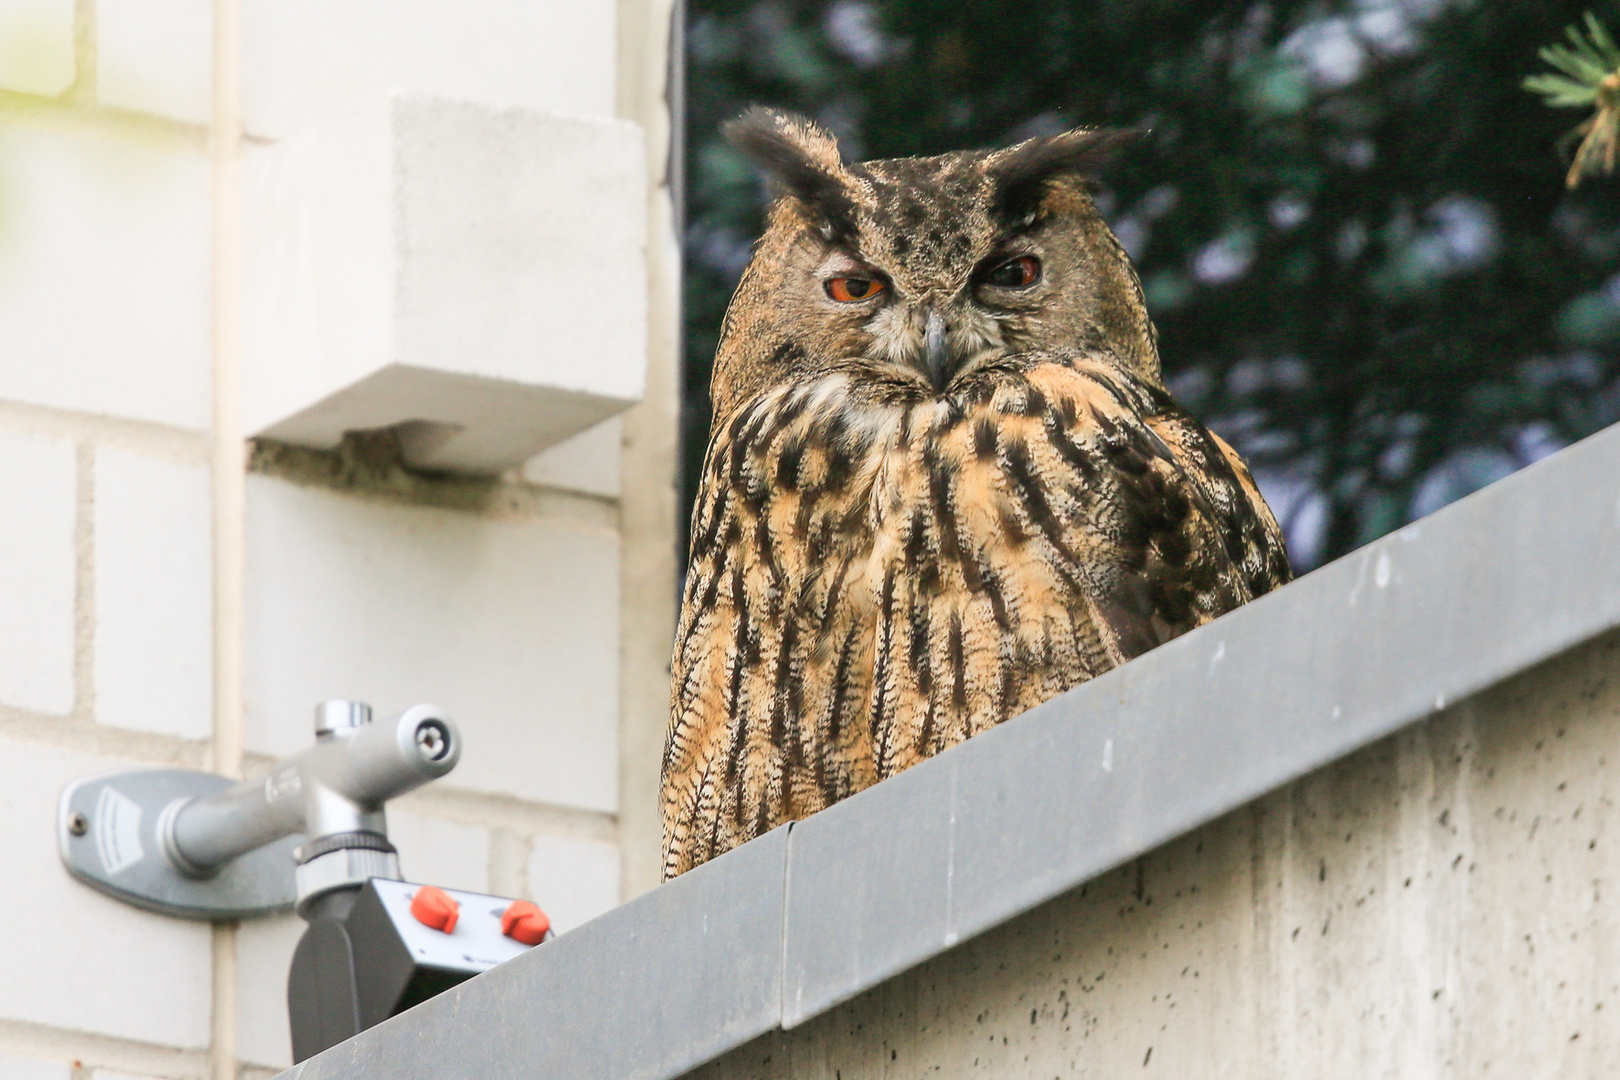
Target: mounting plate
x,y
108,831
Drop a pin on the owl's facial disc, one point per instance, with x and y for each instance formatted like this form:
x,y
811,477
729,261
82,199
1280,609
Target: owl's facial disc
x,y
928,319
943,328
931,338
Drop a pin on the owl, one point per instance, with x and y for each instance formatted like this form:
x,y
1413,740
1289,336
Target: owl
x,y
944,481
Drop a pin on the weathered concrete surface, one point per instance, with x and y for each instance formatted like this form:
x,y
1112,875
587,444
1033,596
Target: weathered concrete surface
x,y
1440,904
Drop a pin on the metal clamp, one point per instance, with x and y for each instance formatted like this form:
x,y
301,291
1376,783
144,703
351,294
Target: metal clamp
x,y
196,845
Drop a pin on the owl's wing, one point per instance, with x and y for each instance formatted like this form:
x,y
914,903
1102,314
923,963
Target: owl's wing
x,y
773,653
1178,570
1075,518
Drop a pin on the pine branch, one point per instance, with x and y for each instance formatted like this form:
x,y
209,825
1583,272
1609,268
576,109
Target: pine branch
x,y
1591,62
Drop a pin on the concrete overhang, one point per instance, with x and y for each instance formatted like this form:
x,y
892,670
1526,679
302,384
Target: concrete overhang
x,y
470,276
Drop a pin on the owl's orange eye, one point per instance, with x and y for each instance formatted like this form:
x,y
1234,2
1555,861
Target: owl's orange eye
x,y
847,290
1019,273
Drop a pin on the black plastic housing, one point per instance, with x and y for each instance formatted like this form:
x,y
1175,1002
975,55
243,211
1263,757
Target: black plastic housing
x,y
352,971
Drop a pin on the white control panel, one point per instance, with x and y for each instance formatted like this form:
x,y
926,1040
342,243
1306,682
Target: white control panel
x,y
474,943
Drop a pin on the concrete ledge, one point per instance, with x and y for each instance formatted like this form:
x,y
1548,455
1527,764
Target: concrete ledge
x,y
1438,904
902,872
449,267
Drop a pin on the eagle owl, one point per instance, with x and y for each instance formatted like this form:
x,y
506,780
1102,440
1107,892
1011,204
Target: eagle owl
x,y
944,482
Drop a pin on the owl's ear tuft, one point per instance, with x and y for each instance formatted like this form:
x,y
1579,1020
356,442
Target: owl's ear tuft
x,y
802,159
1022,172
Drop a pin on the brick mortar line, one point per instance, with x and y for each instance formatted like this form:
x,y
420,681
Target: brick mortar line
x,y
647,564
83,116
97,1051
84,583
493,497
86,46
520,816
507,869
228,475
85,736
160,440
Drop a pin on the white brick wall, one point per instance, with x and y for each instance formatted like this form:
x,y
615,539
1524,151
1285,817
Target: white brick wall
x,y
446,853
112,287
573,879
509,624
263,953
104,274
37,516
154,595
557,57
36,46
86,962
13,1067
156,56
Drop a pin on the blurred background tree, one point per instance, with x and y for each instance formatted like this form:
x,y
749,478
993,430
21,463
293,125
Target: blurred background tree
x,y
1350,218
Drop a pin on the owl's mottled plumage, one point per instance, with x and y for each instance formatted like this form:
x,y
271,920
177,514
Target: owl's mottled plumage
x,y
929,509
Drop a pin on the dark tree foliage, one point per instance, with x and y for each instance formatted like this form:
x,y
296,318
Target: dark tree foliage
x,y
1349,217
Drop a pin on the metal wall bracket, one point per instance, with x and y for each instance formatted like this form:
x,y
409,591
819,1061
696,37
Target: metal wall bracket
x,y
111,832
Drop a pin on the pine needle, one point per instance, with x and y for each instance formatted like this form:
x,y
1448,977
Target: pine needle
x,y
1590,64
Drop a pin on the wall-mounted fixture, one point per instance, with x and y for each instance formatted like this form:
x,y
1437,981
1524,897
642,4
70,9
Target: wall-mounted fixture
x,y
310,834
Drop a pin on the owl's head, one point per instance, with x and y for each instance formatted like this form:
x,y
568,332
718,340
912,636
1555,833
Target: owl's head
x,y
915,275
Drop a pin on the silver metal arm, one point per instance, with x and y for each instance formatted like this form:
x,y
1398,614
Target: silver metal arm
x,y
337,786
197,845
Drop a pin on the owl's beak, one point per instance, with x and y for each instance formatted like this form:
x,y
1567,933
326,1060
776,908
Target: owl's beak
x,y
936,352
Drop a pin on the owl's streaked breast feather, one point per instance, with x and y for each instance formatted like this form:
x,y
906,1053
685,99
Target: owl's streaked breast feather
x,y
874,580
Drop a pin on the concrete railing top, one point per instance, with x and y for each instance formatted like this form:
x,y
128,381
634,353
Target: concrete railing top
x,y
790,925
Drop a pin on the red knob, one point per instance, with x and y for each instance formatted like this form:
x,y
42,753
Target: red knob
x,y
433,907
525,922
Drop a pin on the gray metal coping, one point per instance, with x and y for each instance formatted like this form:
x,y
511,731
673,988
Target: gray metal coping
x,y
790,925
